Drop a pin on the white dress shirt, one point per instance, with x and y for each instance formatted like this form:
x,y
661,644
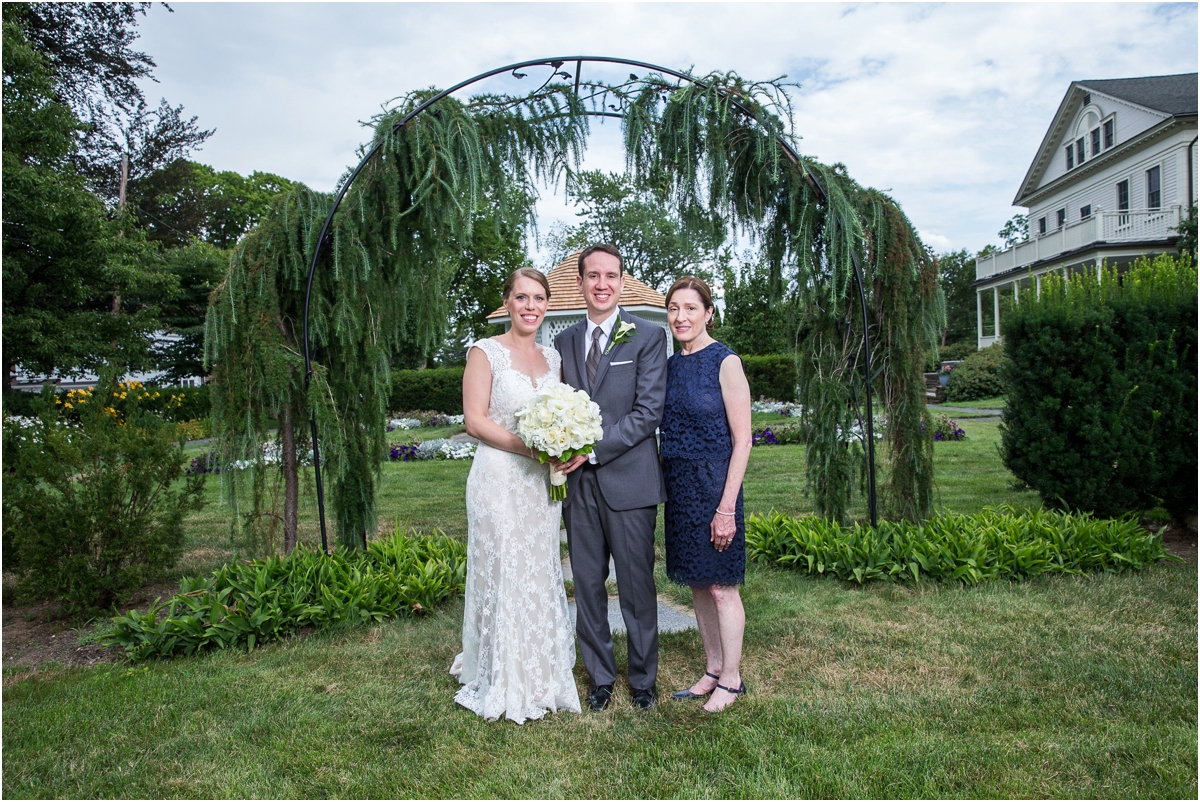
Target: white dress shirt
x,y
606,326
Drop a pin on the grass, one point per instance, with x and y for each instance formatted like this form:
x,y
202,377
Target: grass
x,y
982,403
1056,687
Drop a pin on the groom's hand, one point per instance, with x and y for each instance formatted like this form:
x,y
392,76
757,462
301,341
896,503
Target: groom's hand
x,y
570,465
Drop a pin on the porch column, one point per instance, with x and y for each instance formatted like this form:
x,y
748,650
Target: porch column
x,y
979,318
996,307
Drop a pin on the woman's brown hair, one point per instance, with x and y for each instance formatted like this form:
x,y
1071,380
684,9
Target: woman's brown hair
x,y
526,272
699,285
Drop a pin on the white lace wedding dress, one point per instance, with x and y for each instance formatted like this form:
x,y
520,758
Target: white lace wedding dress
x,y
518,642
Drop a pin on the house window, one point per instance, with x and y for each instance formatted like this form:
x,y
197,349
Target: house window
x,y
1041,225
1122,196
1085,212
1109,133
1095,142
1070,156
1153,188
1061,217
1079,152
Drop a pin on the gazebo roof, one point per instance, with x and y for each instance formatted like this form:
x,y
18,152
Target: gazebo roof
x,y
565,296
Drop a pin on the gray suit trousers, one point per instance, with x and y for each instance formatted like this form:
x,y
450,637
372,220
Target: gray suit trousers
x,y
594,531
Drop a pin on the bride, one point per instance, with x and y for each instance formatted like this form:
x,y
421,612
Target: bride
x,y
518,642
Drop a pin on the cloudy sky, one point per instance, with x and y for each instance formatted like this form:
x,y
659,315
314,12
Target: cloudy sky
x,y
941,105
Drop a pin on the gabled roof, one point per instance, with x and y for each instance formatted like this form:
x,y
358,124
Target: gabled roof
x,y
1170,94
1167,95
565,294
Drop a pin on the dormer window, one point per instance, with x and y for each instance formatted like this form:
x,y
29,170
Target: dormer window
x,y
1110,133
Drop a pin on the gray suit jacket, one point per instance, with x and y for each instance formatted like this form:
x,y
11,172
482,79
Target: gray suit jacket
x,y
631,389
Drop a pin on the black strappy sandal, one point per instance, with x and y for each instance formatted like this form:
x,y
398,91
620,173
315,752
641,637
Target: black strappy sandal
x,y
740,691
686,693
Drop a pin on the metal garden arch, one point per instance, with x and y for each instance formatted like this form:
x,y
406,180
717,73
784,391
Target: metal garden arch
x,y
556,63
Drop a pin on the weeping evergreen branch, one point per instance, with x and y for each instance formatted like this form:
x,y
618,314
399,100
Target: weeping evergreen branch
x,y
385,275
711,148
716,146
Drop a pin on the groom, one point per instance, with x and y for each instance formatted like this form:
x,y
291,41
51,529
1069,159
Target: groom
x,y
614,492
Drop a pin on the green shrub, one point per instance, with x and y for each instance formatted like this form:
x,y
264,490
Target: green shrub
x,y
1101,405
956,351
95,509
772,376
247,603
977,376
438,389
993,544
200,429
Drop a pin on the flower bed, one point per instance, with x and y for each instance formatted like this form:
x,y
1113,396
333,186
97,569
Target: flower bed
x,y
440,448
946,428
416,419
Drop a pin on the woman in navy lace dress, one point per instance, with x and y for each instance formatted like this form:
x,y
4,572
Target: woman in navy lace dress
x,y
705,446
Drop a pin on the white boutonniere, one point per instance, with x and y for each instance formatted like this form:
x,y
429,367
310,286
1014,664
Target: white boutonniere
x,y
625,331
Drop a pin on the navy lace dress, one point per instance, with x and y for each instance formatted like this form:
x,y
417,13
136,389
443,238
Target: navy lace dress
x,y
696,445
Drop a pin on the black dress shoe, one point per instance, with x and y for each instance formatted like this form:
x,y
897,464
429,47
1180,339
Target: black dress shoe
x,y
645,697
599,697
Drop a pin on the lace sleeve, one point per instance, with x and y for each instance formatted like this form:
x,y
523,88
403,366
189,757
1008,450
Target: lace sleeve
x,y
495,353
553,359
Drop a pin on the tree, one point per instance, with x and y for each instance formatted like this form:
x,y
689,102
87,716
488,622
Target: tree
x,y
95,72
493,252
656,244
1015,230
185,200
756,321
199,267
63,257
1187,233
956,274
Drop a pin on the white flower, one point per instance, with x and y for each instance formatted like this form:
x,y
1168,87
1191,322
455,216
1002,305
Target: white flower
x,y
559,419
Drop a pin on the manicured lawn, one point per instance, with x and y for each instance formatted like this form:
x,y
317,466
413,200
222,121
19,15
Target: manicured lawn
x,y
983,403
1061,687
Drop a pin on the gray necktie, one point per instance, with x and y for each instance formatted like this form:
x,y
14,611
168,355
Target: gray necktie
x,y
593,359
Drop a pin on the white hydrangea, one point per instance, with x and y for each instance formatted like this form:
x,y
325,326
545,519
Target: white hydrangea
x,y
404,423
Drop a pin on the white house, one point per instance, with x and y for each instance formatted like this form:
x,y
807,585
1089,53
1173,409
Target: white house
x,y
1112,179
567,305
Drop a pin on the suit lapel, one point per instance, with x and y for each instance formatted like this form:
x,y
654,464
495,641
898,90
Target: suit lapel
x,y
607,358
575,346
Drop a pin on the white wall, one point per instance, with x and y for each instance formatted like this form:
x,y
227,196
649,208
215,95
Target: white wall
x,y
1100,190
1130,122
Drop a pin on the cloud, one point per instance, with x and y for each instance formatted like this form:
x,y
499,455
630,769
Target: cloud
x,y
941,105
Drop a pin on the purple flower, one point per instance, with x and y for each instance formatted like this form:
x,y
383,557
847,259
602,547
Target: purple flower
x,y
403,452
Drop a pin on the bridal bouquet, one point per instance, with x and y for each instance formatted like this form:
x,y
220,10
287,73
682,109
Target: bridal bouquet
x,y
559,422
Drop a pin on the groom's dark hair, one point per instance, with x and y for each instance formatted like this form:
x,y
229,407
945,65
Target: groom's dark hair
x,y
603,247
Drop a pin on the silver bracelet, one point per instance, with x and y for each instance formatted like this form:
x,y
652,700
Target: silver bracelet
x,y
730,514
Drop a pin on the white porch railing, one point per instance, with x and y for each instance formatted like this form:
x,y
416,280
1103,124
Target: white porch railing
x,y
1107,227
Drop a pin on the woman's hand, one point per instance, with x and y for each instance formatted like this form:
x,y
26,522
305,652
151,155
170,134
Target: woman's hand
x,y
723,529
